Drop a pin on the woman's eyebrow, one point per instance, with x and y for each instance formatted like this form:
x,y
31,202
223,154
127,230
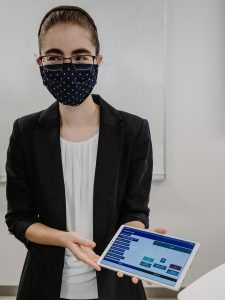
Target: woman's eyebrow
x,y
81,50
77,51
54,50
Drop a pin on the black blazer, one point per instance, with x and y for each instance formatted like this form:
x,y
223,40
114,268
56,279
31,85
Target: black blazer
x,y
35,193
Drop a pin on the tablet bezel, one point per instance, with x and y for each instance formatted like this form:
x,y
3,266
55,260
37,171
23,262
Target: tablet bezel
x,y
183,272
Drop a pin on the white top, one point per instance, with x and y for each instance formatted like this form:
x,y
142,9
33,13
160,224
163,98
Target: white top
x,y
79,160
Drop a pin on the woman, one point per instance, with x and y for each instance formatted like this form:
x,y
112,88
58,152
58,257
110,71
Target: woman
x,y
75,171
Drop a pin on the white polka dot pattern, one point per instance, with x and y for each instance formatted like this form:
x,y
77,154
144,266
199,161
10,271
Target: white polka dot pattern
x,y
68,85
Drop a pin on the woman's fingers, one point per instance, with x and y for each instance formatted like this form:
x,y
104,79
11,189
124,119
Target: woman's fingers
x,y
85,257
134,278
90,252
119,274
81,248
89,261
83,241
160,230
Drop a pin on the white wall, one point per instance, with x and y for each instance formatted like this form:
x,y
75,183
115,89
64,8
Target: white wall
x,y
190,202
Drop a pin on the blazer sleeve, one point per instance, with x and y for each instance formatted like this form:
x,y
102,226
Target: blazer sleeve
x,y
136,199
21,212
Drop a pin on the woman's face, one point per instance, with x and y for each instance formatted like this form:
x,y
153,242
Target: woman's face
x,y
68,40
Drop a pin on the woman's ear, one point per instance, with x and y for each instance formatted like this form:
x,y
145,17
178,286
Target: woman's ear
x,y
99,59
38,61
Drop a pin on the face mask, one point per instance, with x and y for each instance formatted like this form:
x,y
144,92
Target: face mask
x,y
68,85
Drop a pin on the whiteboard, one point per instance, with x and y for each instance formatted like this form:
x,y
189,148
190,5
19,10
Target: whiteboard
x,y
132,38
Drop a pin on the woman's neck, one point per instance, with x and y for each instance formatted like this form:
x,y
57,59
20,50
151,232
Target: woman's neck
x,y
77,117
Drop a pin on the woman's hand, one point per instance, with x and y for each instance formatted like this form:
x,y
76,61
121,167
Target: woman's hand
x,y
134,278
81,248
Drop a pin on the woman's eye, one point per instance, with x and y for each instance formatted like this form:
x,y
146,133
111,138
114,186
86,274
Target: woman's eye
x,y
81,57
54,58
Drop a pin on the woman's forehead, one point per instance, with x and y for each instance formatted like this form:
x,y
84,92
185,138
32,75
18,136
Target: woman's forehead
x,y
67,38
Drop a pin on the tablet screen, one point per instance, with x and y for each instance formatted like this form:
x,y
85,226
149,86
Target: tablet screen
x,y
157,257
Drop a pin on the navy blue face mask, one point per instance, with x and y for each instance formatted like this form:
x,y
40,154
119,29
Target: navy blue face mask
x,y
69,85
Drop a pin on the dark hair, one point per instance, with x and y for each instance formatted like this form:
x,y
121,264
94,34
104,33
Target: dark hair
x,y
68,14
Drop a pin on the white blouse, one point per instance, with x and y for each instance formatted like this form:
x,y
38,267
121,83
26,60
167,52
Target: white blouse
x,y
79,161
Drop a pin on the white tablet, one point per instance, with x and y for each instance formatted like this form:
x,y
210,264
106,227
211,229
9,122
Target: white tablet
x,y
154,257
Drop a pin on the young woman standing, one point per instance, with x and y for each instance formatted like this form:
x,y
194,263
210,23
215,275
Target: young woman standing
x,y
75,171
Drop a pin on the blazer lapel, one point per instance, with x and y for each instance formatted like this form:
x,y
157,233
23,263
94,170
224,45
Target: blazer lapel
x,y
48,151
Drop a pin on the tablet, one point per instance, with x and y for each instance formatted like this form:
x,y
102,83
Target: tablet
x,y
150,256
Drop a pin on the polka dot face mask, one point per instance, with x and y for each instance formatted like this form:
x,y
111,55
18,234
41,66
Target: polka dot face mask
x,y
68,85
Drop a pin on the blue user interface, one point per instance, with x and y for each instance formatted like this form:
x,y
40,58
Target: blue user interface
x,y
149,255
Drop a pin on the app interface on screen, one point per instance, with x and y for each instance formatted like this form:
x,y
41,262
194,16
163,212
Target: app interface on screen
x,y
147,254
